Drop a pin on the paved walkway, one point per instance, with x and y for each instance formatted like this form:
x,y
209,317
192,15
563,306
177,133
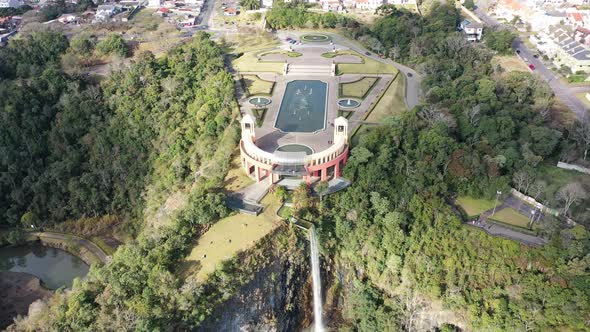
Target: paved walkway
x,y
93,248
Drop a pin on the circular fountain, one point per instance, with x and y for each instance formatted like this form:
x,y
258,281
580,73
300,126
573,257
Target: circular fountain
x,y
349,103
259,101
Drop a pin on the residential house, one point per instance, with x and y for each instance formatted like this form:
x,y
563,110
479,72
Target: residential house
x,y
575,19
540,20
155,3
230,12
473,30
365,4
331,5
10,3
400,2
582,35
560,45
67,18
106,11
267,3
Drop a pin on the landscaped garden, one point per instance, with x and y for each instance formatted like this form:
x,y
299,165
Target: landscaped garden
x,y
259,114
345,113
357,89
254,85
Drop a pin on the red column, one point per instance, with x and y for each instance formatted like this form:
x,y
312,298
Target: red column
x,y
257,170
337,169
324,174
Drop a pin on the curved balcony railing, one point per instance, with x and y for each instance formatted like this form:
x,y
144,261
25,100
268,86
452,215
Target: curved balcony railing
x,y
313,159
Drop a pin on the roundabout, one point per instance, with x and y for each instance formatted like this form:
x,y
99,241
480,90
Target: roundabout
x,y
315,38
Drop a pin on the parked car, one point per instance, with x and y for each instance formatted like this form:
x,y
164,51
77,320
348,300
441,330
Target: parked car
x,y
518,51
367,53
535,56
531,66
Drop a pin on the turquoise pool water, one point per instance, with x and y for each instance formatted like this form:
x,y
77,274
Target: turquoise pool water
x,y
295,148
303,109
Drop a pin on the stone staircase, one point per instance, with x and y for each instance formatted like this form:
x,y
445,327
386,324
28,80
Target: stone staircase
x,y
301,69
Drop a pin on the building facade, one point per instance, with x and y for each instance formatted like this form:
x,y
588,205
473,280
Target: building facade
x,y
268,166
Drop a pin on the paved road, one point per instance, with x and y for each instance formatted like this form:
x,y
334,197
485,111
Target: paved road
x,y
566,93
93,248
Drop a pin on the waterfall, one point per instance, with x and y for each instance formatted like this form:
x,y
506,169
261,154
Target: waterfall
x,y
317,282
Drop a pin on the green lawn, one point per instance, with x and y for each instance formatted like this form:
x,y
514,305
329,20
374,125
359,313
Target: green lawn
x,y
228,237
285,212
345,113
256,86
392,103
259,114
236,178
474,206
248,62
511,217
358,89
368,66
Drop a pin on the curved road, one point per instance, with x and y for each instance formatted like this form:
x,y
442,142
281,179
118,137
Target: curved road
x,y
563,91
93,248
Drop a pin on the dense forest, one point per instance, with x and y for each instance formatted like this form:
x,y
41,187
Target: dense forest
x,y
73,149
395,236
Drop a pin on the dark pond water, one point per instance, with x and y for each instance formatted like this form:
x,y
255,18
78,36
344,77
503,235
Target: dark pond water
x,y
303,108
55,267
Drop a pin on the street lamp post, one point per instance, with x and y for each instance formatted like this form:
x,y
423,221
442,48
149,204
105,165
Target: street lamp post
x,y
532,218
498,193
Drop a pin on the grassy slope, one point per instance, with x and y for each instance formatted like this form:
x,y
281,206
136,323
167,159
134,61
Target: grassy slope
x,y
358,89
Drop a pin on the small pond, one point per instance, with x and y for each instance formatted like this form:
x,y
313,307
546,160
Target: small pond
x,y
303,108
55,267
315,38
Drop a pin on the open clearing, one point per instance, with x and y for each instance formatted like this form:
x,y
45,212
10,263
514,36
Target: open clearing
x,y
474,206
511,217
229,236
358,89
510,63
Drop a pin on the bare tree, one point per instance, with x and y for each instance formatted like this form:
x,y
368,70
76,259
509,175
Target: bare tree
x,y
523,180
569,194
473,114
582,134
537,188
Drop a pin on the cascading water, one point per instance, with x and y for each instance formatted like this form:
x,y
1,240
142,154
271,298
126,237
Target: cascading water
x,y
317,282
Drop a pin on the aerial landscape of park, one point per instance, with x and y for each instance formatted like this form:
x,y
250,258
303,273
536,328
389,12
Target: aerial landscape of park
x,y
260,165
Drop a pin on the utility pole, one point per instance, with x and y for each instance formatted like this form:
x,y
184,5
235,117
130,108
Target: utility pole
x,y
498,193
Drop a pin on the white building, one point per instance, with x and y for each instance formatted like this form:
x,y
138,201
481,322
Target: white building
x,y
365,4
401,2
267,3
473,30
10,3
559,44
155,3
106,11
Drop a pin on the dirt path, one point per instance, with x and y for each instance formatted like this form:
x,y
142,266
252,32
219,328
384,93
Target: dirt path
x,y
93,248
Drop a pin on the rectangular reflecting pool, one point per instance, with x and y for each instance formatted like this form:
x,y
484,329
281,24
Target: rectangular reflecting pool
x,y
303,108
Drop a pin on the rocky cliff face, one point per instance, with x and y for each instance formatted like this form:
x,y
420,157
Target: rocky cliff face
x,y
277,298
